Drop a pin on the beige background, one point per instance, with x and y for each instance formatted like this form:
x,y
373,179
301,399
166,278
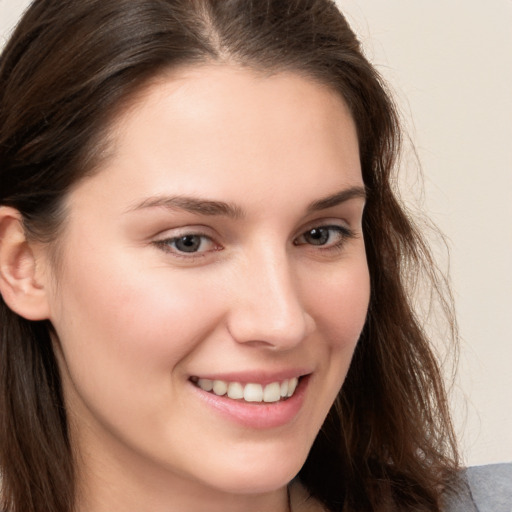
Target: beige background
x,y
449,63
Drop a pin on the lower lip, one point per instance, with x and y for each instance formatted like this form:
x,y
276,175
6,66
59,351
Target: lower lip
x,y
257,415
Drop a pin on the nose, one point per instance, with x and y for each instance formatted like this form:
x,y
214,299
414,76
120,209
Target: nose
x,y
267,309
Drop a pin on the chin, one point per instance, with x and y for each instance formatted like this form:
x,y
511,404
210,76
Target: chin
x,y
261,474
256,482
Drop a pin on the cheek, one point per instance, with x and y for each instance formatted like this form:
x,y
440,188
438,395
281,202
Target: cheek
x,y
124,333
122,318
340,304
340,307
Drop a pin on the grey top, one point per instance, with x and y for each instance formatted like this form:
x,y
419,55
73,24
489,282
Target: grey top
x,y
482,489
487,489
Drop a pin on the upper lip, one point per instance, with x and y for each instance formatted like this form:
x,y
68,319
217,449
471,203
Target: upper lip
x,y
255,376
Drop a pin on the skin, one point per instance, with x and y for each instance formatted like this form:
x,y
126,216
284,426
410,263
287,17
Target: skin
x,y
135,318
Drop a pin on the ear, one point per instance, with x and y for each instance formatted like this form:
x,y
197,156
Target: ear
x,y
21,276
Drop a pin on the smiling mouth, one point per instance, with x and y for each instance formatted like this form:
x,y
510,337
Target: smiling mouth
x,y
251,392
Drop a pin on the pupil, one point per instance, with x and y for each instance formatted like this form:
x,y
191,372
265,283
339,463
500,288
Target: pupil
x,y
318,236
188,243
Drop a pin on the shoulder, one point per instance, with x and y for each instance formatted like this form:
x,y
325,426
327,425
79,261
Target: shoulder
x,y
482,489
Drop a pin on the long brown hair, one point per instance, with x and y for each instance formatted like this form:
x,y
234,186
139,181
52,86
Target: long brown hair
x,y
387,443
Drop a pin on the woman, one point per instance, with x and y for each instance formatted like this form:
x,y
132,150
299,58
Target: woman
x,y
204,269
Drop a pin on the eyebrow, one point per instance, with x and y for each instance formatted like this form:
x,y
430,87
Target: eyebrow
x,y
220,208
356,192
192,204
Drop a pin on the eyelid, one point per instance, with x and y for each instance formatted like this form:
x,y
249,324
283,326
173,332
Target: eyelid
x,y
326,222
344,232
164,243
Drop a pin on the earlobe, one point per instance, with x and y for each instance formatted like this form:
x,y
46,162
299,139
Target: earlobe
x,y
21,285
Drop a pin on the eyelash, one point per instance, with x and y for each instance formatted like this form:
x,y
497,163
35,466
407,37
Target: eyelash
x,y
169,244
342,232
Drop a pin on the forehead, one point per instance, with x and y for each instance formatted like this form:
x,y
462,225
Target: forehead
x,y
234,96
228,130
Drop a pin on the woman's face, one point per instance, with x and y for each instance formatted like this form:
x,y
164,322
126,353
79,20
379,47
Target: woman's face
x,y
220,241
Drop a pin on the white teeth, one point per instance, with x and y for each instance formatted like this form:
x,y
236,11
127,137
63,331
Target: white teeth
x,y
272,392
251,392
205,384
235,390
292,385
220,387
284,388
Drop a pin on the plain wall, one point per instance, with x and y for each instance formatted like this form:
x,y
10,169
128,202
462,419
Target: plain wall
x,y
449,63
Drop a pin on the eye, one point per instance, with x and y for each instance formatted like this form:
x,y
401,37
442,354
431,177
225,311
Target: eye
x,y
325,236
188,243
